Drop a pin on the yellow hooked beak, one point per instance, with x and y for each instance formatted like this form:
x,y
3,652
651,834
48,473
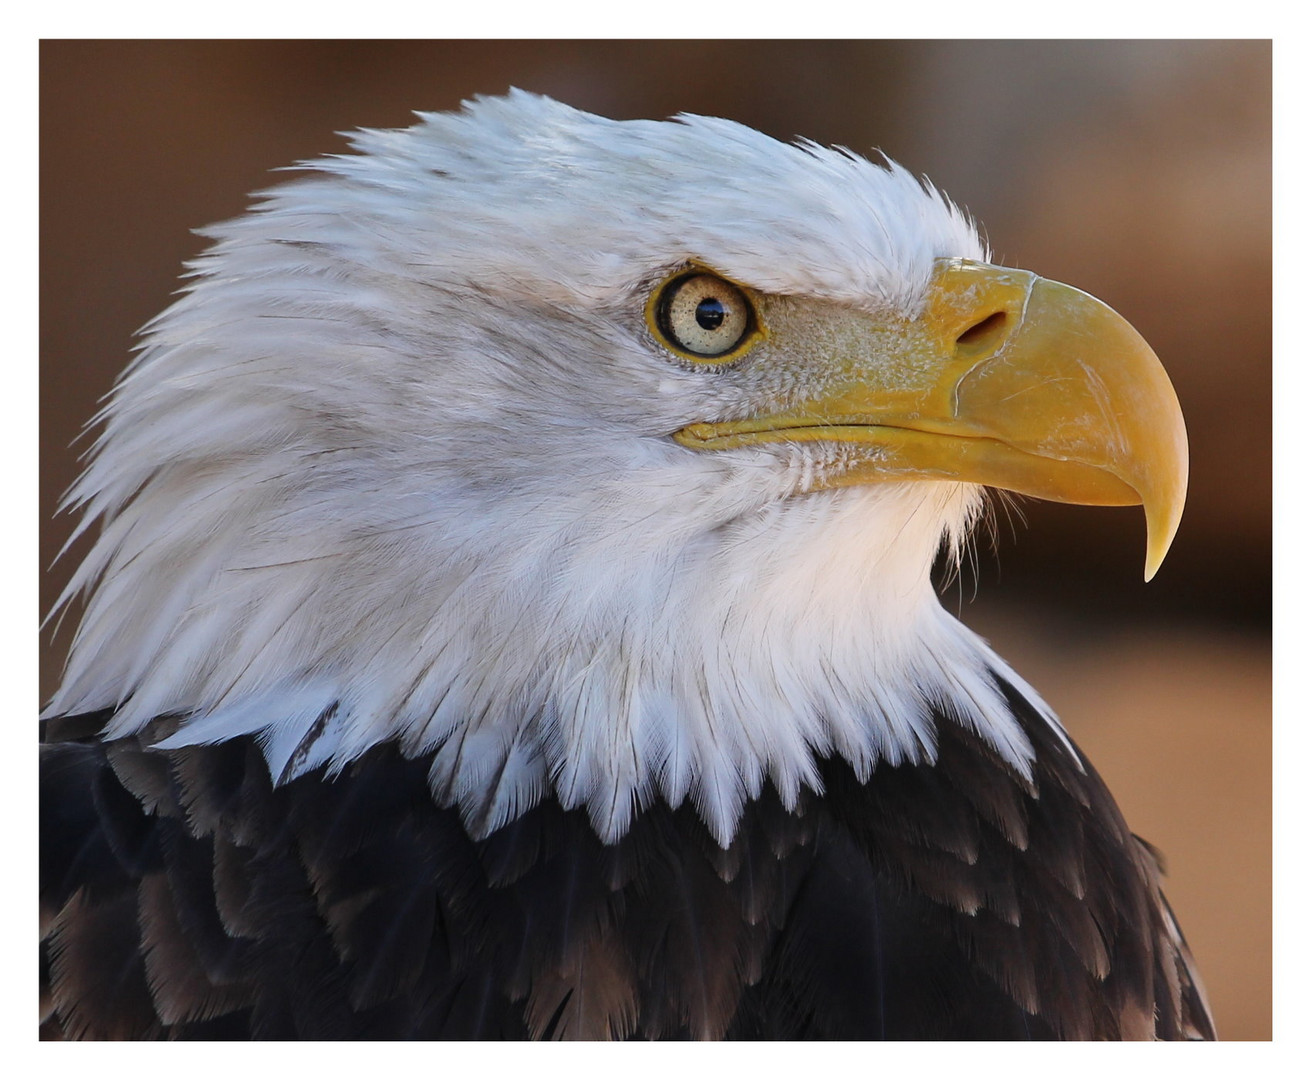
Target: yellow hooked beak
x,y
1005,379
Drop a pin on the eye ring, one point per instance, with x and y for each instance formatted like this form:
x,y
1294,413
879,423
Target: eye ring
x,y
703,317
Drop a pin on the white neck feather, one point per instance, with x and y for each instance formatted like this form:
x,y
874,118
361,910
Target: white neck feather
x,y
607,659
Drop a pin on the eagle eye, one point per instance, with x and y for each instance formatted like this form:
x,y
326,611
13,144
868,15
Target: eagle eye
x,y
701,316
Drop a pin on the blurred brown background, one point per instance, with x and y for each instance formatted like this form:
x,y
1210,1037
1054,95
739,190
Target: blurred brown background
x,y
1138,171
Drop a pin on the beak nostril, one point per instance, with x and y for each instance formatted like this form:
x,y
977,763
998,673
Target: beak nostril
x,y
982,329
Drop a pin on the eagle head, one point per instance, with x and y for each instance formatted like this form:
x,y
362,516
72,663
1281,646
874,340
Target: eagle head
x,y
604,459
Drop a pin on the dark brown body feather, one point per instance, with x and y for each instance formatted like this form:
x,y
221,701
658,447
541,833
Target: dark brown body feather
x,y
184,896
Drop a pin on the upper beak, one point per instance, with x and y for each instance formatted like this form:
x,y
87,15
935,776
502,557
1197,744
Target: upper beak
x,y
1005,379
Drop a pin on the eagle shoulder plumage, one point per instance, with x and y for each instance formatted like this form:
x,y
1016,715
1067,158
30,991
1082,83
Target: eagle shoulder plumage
x,y
511,615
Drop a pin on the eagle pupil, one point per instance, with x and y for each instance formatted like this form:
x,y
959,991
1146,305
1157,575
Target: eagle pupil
x,y
709,313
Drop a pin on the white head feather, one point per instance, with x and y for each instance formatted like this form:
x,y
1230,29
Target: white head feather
x,y
397,466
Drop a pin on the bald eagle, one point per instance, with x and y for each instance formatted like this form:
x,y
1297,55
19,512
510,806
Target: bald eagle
x,y
511,615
